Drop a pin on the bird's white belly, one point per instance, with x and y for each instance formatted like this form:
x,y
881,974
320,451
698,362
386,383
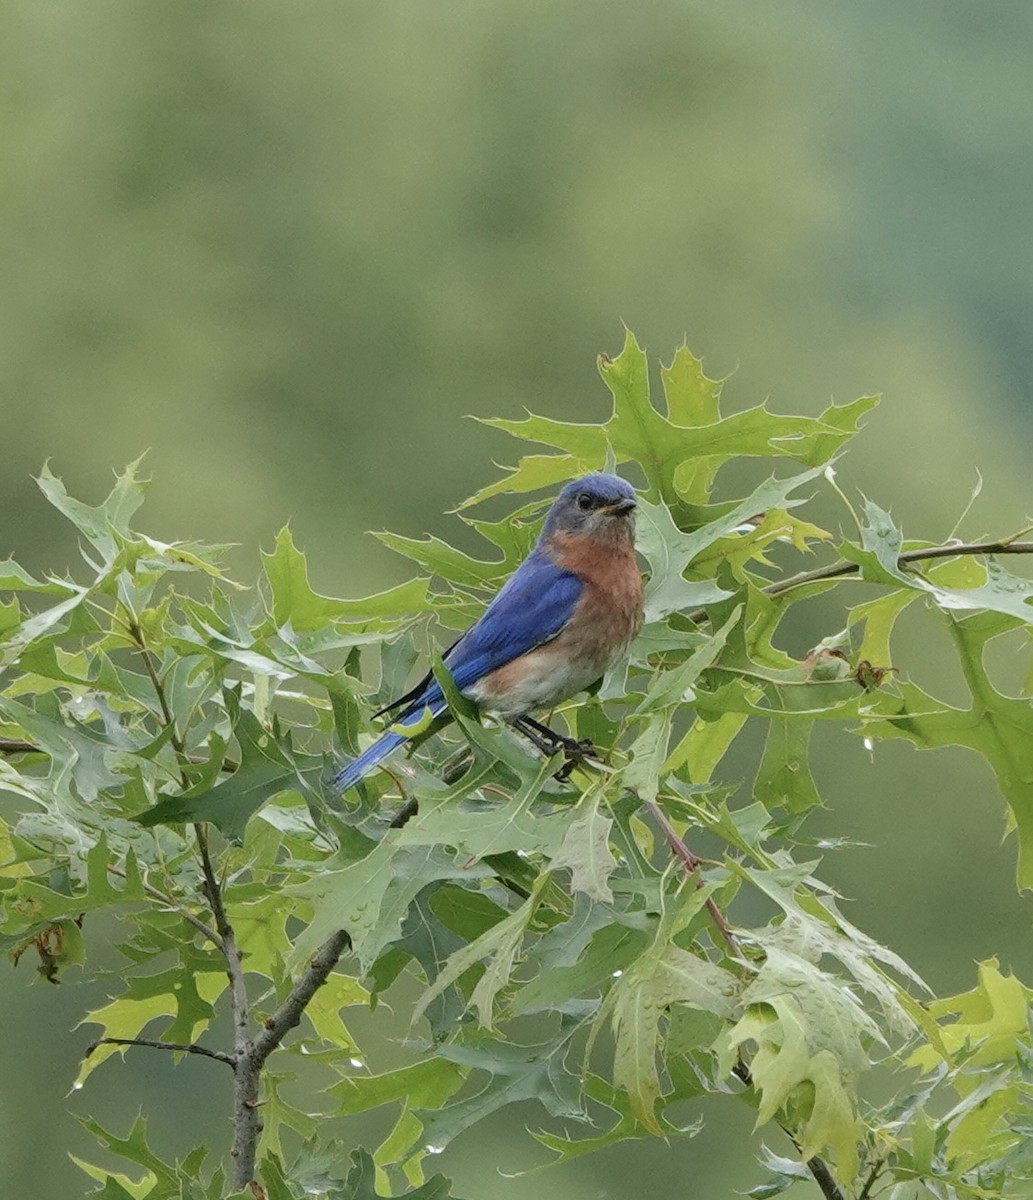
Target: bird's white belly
x,y
544,679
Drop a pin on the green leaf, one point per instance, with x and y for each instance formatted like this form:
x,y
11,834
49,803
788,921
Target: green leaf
x,y
666,974
361,1183
264,772
692,400
30,905
612,948
669,551
881,546
531,474
99,524
427,1084
996,726
626,1126
483,831
809,1032
586,852
784,777
499,945
516,1072
439,558
370,898
79,754
324,1009
133,1148
297,605
991,1020
184,996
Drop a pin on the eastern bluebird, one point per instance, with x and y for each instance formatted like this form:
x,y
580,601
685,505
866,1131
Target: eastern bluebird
x,y
565,616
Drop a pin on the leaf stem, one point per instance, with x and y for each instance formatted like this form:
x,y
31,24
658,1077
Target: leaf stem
x,y
17,746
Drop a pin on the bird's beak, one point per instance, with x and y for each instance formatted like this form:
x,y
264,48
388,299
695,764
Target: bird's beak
x,y
621,508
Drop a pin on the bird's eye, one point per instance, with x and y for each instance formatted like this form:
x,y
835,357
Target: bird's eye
x,y
584,501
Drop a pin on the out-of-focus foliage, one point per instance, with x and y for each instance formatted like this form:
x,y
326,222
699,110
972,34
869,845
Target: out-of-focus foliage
x,y
569,947
314,230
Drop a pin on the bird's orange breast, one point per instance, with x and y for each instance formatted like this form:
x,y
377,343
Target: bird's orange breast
x,y
610,609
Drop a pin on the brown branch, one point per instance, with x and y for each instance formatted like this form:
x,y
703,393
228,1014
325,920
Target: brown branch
x,y
148,660
185,1048
249,1055
289,1013
691,864
823,1178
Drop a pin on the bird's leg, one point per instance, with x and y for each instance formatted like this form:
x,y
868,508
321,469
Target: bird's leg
x,y
540,736
580,746
548,741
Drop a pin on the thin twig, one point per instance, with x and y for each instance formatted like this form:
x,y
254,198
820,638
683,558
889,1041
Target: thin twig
x,y
185,1048
184,912
691,864
148,661
951,550
289,1012
17,746
869,1183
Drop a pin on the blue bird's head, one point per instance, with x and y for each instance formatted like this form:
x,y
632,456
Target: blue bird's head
x,y
594,504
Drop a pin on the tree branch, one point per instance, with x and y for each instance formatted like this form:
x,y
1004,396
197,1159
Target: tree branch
x,y
249,1055
185,1048
246,1123
823,1178
289,1013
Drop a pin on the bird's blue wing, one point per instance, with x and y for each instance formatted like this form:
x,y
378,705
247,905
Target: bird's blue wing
x,y
532,608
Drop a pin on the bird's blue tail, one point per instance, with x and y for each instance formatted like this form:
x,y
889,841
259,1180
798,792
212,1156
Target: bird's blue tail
x,y
350,774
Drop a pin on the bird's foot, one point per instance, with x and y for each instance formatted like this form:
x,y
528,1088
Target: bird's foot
x,y
576,752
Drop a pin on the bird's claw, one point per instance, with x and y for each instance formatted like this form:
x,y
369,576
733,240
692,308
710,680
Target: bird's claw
x,y
576,751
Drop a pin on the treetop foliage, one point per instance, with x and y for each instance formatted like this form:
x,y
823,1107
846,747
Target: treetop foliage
x,y
591,945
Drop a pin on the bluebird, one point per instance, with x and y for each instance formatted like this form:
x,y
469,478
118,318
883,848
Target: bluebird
x,y
565,616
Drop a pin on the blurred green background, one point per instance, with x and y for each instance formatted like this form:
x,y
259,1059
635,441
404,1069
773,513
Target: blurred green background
x,y
287,246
